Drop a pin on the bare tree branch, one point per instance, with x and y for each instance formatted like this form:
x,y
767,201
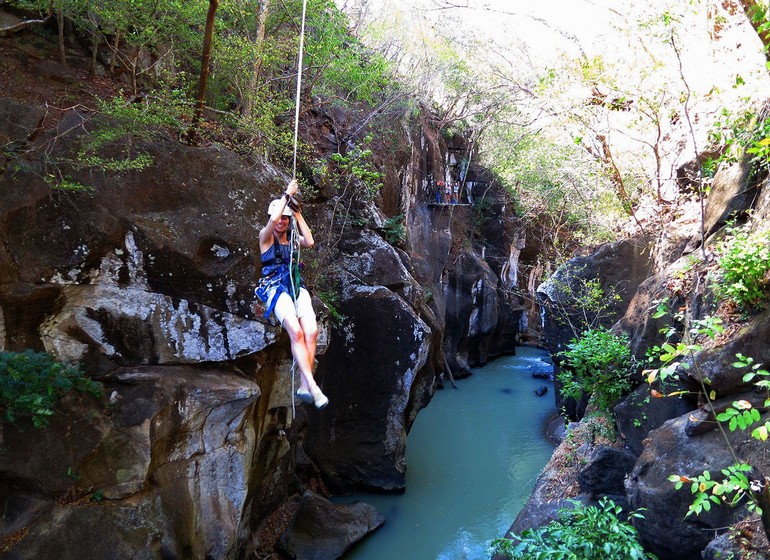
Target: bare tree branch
x,y
27,23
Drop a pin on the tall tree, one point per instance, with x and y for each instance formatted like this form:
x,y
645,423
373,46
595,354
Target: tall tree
x,y
208,38
757,14
263,10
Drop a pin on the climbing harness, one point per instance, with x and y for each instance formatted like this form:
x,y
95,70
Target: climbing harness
x,y
280,274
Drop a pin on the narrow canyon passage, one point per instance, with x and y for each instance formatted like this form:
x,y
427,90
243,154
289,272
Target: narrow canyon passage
x,y
472,459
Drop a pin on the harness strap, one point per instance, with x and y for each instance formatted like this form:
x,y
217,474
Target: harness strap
x,y
273,300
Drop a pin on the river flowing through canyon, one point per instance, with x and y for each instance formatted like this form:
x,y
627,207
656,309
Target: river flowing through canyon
x,y
472,459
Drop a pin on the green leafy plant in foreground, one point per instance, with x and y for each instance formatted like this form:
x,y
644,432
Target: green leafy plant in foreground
x,y
582,533
599,363
671,354
741,133
745,267
736,483
31,383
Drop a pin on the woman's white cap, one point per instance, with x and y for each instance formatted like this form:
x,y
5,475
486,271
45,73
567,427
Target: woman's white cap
x,y
275,204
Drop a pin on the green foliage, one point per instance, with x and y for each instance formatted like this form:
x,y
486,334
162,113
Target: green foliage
x,y
670,354
734,486
761,379
553,182
331,300
66,184
395,230
354,173
582,303
121,128
252,78
582,533
32,382
741,415
350,71
146,34
482,213
741,133
745,267
599,363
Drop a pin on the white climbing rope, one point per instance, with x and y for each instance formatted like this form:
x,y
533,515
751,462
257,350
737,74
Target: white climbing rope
x,y
299,87
293,243
294,237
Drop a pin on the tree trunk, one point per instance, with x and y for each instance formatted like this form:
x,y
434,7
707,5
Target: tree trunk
x,y
756,12
62,49
248,103
617,179
205,60
94,51
115,47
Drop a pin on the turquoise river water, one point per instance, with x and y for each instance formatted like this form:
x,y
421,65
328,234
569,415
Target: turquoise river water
x,y
472,459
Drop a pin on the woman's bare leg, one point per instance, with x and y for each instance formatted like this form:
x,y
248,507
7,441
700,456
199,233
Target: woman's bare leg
x,y
310,332
303,334
299,350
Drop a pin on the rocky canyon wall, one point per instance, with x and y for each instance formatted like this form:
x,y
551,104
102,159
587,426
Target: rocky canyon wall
x,y
145,281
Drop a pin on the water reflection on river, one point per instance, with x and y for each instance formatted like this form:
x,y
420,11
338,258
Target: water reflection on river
x,y
472,459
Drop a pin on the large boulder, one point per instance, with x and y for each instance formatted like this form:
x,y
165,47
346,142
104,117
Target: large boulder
x,y
730,195
606,471
620,268
472,311
130,324
716,364
665,527
138,530
146,282
321,530
639,413
166,442
18,121
187,233
639,319
368,373
472,288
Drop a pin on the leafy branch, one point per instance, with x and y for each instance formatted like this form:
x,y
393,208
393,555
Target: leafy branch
x,y
735,486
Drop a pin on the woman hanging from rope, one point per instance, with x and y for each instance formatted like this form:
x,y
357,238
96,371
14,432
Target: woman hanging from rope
x,y
283,293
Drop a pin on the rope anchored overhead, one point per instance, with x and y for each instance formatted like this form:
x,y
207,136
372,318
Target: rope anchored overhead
x,y
299,87
294,239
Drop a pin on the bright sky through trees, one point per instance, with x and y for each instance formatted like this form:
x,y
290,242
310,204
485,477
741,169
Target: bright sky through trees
x,y
545,27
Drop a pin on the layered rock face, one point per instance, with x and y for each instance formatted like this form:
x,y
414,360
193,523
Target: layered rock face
x,y
146,282
675,435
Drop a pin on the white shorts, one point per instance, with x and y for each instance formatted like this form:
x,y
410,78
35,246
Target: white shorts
x,y
284,306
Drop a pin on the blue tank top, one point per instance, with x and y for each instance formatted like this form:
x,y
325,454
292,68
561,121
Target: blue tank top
x,y
275,262
276,254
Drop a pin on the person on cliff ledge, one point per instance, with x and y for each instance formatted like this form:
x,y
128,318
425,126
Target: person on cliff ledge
x,y
282,290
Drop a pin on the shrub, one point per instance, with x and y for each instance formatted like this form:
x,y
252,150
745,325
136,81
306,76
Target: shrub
x,y
395,230
598,363
32,382
745,266
582,533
